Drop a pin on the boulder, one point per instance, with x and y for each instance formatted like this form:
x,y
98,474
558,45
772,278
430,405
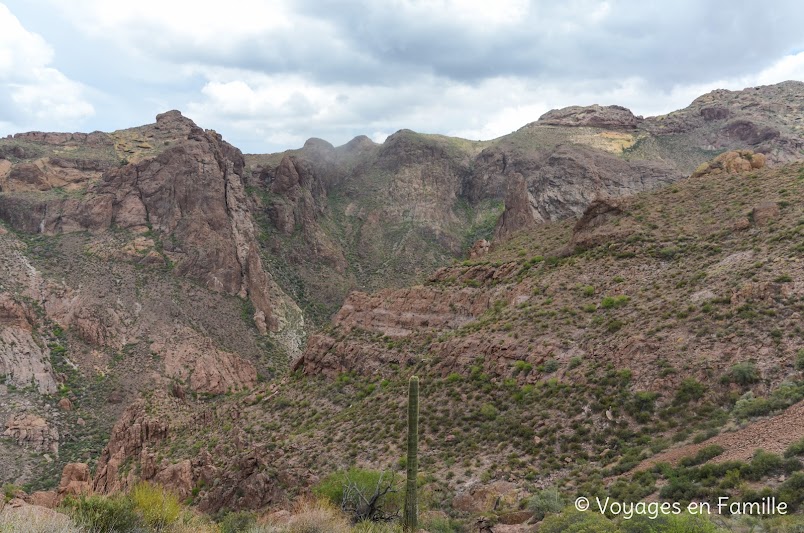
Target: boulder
x,y
76,480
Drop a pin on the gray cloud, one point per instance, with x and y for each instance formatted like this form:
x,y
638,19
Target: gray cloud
x,y
270,75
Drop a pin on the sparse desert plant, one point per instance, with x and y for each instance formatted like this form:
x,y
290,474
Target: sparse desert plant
x,y
574,521
744,374
544,502
689,390
159,507
611,302
313,517
103,513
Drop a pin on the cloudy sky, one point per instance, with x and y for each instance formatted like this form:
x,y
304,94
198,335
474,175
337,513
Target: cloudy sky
x,y
270,74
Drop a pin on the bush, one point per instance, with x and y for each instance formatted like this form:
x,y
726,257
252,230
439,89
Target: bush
x,y
487,410
158,507
764,464
792,491
317,517
572,521
664,523
689,390
742,374
704,454
550,366
797,448
748,406
237,521
101,513
335,489
800,359
547,501
610,302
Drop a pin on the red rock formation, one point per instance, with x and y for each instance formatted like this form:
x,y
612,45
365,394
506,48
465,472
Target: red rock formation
x,y
129,439
32,431
595,116
76,480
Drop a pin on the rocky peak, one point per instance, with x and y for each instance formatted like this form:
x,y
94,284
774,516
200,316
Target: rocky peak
x,y
314,143
359,144
595,116
173,120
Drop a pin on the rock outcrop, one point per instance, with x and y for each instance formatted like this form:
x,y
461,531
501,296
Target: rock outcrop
x,y
561,184
24,360
32,431
190,195
195,360
76,480
594,116
731,162
130,438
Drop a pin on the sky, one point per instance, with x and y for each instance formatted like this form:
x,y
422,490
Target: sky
x,y
268,75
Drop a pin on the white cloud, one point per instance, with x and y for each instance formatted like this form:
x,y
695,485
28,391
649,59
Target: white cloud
x,y
269,75
33,94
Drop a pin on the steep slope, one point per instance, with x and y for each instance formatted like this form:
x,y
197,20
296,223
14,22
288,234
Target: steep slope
x,y
567,356
369,216
160,266
143,275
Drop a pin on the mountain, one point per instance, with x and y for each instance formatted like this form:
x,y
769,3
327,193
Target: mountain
x,y
237,326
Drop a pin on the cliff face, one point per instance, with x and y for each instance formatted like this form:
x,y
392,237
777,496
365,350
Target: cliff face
x,y
386,214
190,197
596,289
129,262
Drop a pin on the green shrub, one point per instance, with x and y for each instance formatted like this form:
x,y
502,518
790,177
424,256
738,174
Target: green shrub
x,y
334,489
689,390
235,522
792,492
797,448
550,366
748,406
544,502
159,508
764,464
800,359
669,523
642,405
704,454
610,302
101,513
742,374
572,521
488,410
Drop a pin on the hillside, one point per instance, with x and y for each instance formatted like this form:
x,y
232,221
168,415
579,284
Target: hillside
x,y
566,357
237,327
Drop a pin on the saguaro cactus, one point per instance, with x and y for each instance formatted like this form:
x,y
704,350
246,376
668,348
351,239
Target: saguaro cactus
x,y
411,518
